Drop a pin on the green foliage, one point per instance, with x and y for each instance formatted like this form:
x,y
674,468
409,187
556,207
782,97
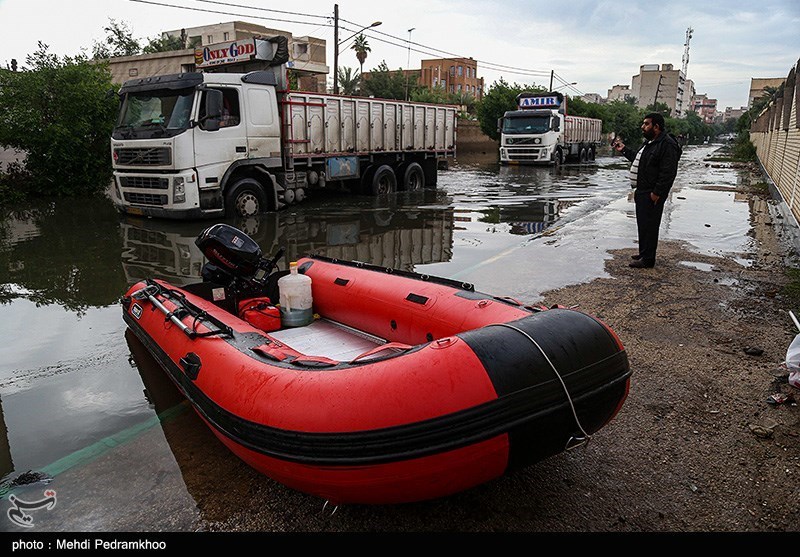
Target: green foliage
x,y
386,84
435,95
119,41
659,108
60,112
349,79
500,98
165,43
625,120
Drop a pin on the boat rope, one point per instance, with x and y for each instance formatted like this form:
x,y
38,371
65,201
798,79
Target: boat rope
x,y
573,441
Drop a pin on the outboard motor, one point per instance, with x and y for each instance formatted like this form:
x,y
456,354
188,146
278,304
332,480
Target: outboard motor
x,y
234,261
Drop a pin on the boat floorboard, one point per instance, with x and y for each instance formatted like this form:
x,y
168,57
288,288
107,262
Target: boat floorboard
x,y
328,338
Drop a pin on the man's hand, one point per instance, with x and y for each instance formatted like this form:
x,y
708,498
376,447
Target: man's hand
x,y
654,198
619,146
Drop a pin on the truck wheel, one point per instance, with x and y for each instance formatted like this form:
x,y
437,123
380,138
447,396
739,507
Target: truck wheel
x,y
384,181
245,198
413,177
558,158
583,154
591,153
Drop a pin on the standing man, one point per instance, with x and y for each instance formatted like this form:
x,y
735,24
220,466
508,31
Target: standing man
x,y
652,173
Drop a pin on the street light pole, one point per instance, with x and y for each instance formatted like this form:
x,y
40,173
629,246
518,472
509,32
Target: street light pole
x,y
408,61
337,43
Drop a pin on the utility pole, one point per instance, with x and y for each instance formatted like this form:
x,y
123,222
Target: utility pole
x,y
408,61
551,80
336,49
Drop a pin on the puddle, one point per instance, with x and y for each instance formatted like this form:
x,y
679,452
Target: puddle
x,y
699,266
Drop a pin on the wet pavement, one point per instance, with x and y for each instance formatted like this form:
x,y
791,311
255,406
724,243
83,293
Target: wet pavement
x,y
84,406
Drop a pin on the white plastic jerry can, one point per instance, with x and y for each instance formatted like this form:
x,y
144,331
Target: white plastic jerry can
x,y
295,298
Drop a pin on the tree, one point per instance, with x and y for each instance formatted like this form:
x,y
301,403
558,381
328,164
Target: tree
x,y
164,43
349,79
361,46
500,98
60,112
119,41
386,84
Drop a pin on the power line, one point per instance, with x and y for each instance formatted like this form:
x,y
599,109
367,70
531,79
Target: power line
x,y
429,51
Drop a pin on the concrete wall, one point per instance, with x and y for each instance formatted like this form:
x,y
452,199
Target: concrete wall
x,y
472,140
776,136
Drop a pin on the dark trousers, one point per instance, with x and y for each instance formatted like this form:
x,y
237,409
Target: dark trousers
x,y
648,222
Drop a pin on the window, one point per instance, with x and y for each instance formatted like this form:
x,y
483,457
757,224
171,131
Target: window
x,y
210,39
460,70
452,70
226,36
435,81
231,114
459,87
133,72
444,84
300,50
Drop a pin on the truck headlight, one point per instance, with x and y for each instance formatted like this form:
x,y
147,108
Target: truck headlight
x,y
178,190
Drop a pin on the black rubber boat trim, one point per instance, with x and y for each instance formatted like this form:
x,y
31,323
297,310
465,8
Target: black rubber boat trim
x,y
391,444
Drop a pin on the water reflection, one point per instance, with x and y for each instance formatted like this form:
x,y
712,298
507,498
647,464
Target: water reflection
x,y
64,252
397,236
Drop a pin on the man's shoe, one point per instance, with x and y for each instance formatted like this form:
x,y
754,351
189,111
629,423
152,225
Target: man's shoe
x,y
636,257
642,264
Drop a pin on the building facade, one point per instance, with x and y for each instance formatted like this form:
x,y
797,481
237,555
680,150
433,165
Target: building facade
x,y
705,107
454,75
307,55
619,93
757,85
662,84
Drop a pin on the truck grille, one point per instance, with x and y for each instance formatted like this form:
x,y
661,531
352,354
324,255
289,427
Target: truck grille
x,y
144,156
145,199
145,182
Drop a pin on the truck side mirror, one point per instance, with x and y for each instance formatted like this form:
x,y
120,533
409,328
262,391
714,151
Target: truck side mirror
x,y
499,125
213,109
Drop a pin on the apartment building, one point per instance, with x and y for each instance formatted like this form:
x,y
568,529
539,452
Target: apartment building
x,y
662,84
705,107
454,75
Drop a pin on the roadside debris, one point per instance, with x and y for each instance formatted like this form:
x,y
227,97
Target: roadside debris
x,y
780,398
753,351
765,432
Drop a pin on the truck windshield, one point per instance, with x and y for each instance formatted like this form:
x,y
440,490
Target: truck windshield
x,y
156,113
526,124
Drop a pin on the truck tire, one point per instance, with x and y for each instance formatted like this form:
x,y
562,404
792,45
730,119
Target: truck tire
x,y
558,157
413,177
384,180
591,153
245,198
582,156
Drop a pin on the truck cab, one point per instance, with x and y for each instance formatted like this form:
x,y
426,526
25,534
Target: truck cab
x,y
540,132
178,136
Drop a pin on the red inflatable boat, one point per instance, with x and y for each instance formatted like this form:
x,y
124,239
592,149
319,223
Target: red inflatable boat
x,y
406,387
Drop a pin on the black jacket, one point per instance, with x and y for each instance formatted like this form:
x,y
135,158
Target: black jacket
x,y
658,165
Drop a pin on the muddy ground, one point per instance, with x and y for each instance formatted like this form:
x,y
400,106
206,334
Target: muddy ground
x,y
697,446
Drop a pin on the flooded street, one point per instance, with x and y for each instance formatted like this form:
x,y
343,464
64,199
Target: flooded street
x,y
86,410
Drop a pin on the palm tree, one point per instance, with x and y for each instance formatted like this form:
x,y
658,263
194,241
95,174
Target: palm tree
x,y
349,80
361,46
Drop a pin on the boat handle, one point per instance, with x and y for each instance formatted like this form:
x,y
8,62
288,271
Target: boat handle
x,y
148,293
397,346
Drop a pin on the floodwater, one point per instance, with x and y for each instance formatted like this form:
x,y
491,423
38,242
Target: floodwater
x,y
88,413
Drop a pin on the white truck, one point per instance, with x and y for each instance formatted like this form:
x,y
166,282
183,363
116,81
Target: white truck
x,y
540,131
201,145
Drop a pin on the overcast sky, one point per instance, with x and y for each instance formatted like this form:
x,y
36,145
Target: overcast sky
x,y
595,43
